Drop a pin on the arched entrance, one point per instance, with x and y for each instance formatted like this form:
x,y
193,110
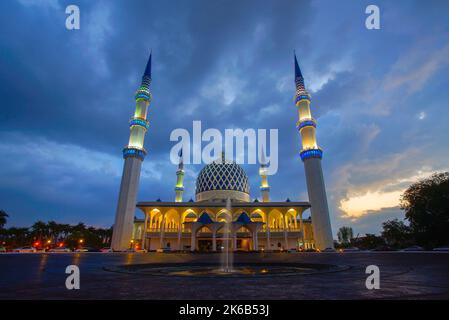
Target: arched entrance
x,y
204,239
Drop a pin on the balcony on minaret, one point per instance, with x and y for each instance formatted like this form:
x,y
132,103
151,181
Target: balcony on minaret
x,y
311,153
301,95
143,93
138,121
135,152
305,122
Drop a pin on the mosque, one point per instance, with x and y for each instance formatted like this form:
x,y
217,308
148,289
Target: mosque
x,y
222,198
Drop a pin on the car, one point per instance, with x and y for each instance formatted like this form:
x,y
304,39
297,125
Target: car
x,y
106,250
163,250
25,250
352,249
87,249
441,249
309,250
383,248
413,248
60,249
328,250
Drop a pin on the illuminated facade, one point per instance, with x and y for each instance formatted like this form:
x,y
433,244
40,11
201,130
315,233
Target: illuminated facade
x,y
198,225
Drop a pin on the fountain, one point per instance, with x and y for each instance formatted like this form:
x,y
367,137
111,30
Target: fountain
x,y
227,258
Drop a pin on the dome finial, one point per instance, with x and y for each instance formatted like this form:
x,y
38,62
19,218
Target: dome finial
x,y
223,157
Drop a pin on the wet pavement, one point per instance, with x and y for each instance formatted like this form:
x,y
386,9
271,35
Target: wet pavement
x,y
403,275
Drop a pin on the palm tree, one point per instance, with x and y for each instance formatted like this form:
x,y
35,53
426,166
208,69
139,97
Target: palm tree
x,y
66,230
345,235
55,230
40,230
80,227
3,216
18,236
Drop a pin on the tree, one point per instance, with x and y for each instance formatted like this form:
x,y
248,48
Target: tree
x,y
69,235
17,237
426,205
345,235
3,216
369,241
40,230
396,233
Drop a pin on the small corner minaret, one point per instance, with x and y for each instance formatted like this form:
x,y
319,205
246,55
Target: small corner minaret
x,y
311,155
133,153
264,187
179,188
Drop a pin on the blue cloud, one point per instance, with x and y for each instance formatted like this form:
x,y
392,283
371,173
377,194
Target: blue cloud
x,y
67,95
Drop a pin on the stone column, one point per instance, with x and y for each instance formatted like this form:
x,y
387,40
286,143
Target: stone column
x,y
162,232
179,235
255,240
214,241
144,236
285,240
193,240
301,227
285,233
268,238
296,223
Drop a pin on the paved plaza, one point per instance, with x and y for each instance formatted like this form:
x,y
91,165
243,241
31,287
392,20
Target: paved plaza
x,y
402,276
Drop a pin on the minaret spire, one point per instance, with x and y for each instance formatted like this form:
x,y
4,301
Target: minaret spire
x,y
133,153
264,187
311,155
147,72
179,188
298,73
299,79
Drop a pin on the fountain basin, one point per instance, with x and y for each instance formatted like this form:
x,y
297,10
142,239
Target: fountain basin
x,y
252,270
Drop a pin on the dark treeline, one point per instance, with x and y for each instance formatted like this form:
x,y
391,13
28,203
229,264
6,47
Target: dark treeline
x,y
52,234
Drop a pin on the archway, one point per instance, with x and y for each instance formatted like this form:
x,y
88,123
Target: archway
x,y
187,217
171,221
155,220
276,221
291,222
204,239
244,239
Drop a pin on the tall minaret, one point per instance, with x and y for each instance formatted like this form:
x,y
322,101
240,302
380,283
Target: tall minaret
x,y
179,188
264,187
311,155
133,153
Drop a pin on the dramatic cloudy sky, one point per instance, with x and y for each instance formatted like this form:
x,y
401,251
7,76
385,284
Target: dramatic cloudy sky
x,y
380,97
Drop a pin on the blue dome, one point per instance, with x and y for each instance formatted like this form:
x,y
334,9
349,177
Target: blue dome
x,y
222,176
